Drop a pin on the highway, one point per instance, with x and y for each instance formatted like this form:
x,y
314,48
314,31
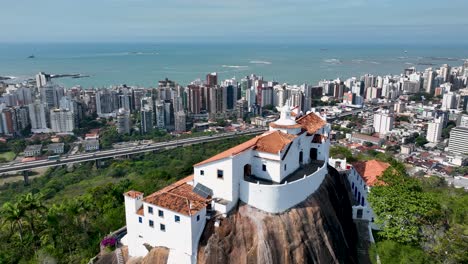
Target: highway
x,y
113,153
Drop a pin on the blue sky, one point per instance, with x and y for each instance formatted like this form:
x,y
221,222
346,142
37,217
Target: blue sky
x,y
354,21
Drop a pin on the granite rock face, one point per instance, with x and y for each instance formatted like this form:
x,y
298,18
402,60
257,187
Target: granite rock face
x,y
318,230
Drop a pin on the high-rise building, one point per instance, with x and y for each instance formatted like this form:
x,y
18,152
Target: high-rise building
x,y
38,116
169,114
369,81
428,84
212,79
8,125
160,123
62,121
51,94
194,99
434,130
458,142
123,121
22,117
147,120
180,122
463,122
42,79
241,108
445,72
449,101
383,122
107,102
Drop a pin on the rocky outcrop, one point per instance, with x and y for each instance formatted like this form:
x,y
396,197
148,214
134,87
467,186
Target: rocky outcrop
x,y
157,255
319,230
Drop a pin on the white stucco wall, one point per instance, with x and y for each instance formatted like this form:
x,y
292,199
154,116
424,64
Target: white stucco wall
x,y
222,188
180,237
358,186
279,198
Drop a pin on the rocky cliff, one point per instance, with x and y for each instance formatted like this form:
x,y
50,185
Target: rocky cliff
x,y
319,230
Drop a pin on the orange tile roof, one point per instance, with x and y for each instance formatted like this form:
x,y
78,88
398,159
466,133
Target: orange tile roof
x,y
311,122
133,194
274,142
178,197
271,142
370,170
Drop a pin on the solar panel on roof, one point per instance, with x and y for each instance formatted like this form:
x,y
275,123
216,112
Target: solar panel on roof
x,y
202,190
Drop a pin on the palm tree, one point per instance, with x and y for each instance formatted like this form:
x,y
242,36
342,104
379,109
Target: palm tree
x,y
14,214
32,205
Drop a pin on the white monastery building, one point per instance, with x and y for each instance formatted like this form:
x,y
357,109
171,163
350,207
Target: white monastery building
x,y
362,176
271,172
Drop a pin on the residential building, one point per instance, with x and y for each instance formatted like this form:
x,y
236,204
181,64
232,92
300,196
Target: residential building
x,y
38,116
180,122
458,142
434,130
147,120
91,144
33,151
56,148
383,122
62,121
123,121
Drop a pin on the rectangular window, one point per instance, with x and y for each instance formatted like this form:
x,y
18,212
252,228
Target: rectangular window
x,y
177,218
160,213
151,223
202,172
263,167
162,227
220,174
198,218
284,166
140,220
150,210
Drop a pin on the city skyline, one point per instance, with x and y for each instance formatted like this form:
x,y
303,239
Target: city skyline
x,y
357,21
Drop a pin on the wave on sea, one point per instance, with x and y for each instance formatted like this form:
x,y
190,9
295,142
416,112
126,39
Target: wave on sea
x,y
260,62
235,66
332,61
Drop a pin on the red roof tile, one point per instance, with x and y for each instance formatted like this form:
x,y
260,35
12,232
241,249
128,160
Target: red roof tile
x,y
178,197
133,194
370,170
270,142
311,122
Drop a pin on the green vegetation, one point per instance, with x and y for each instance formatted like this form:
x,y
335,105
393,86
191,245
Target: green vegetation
x,y
422,220
7,156
421,141
62,216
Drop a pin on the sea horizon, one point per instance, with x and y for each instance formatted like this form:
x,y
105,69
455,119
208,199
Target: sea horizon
x,y
144,63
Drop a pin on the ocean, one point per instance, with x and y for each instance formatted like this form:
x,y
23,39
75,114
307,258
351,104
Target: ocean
x,y
143,64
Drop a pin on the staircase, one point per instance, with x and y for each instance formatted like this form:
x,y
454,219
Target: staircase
x,y
119,256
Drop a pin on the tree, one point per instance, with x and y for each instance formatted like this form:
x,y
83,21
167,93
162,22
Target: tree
x,y
17,146
14,214
421,141
341,152
401,206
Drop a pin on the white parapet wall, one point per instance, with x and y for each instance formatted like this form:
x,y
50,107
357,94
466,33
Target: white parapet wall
x,y
281,197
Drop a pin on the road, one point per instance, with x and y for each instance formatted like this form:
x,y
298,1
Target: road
x,y
113,153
